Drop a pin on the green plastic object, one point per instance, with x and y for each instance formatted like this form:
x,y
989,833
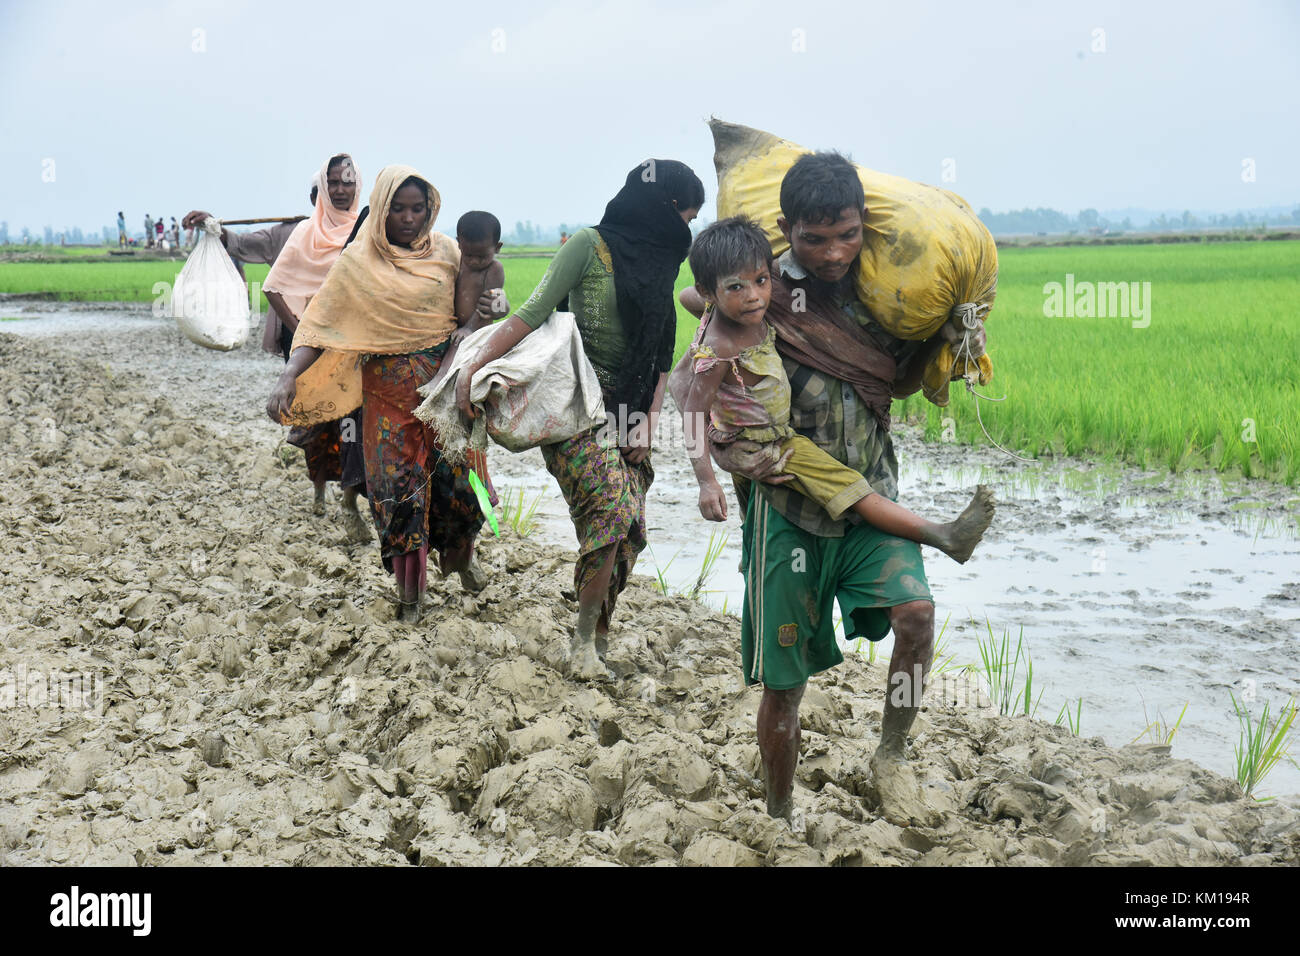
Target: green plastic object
x,y
483,502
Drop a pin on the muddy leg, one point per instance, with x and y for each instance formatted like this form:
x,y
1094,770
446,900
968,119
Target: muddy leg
x,y
318,505
353,524
956,538
778,744
893,780
461,560
586,663
407,606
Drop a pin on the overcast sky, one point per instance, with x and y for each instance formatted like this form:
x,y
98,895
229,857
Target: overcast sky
x,y
537,110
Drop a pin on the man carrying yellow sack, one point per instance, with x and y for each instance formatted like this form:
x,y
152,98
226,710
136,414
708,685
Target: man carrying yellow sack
x,y
844,371
927,266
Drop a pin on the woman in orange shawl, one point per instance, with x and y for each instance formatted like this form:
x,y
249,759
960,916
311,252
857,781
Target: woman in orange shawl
x,y
377,330
297,274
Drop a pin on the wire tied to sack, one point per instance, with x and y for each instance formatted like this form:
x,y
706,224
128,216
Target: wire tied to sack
x,y
971,314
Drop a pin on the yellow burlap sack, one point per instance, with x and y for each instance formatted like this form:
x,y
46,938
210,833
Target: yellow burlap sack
x,y
924,254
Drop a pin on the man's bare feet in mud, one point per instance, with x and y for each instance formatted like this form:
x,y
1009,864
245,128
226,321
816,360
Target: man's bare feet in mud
x,y
318,503
958,537
584,662
897,793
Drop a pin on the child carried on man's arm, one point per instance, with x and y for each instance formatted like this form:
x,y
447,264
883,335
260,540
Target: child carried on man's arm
x,y
741,386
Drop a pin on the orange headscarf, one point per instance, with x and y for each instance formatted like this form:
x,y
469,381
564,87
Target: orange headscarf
x,y
315,243
379,299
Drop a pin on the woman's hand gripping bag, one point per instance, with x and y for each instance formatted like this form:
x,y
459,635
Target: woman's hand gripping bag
x,y
926,257
209,299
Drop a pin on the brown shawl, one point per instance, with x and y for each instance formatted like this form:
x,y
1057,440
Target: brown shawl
x,y
820,336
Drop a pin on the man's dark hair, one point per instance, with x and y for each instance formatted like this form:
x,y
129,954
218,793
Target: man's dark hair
x,y
820,186
476,226
726,247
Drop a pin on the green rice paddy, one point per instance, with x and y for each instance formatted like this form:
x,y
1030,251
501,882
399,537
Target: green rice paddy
x,y
1209,376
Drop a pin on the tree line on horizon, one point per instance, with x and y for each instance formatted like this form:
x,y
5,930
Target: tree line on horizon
x,y
1026,221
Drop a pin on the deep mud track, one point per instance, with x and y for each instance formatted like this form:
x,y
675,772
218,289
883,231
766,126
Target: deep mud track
x,y
249,697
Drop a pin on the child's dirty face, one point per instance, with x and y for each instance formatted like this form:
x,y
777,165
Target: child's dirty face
x,y
743,296
477,254
406,215
827,249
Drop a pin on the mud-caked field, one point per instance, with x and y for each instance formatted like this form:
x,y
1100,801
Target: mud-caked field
x,y
200,670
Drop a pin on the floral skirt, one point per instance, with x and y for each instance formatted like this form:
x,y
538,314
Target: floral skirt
x,y
417,499
333,451
606,498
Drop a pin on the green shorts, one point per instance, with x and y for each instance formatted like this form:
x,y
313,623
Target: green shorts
x,y
791,578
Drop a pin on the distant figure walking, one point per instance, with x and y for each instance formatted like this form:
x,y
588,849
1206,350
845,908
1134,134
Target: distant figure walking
x,y
148,231
158,232
121,231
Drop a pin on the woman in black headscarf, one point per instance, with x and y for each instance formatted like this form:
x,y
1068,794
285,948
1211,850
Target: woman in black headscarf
x,y
618,280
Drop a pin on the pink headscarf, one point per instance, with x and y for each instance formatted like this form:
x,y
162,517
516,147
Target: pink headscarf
x,y
316,242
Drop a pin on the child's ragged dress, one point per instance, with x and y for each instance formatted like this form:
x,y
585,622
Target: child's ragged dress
x,y
761,413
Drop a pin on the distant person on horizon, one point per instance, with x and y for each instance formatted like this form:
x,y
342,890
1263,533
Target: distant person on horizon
x,y
121,231
148,231
158,232
564,237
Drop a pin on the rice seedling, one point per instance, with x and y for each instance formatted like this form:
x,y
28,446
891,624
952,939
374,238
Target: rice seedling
x,y
1000,668
520,516
1261,746
943,661
873,648
661,574
1075,720
712,551
1159,731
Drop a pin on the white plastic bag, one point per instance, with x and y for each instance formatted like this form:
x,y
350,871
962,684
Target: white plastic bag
x,y
542,391
209,300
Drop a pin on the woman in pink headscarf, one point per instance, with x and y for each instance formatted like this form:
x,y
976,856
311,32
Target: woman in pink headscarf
x,y
333,449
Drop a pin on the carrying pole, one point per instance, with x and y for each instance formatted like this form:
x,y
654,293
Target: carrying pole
x,y
251,222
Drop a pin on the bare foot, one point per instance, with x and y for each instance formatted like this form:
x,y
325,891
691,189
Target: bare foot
x,y
473,578
897,792
584,664
355,526
318,504
781,808
961,536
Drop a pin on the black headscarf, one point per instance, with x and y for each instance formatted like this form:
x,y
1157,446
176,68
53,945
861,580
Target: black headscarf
x,y
648,241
